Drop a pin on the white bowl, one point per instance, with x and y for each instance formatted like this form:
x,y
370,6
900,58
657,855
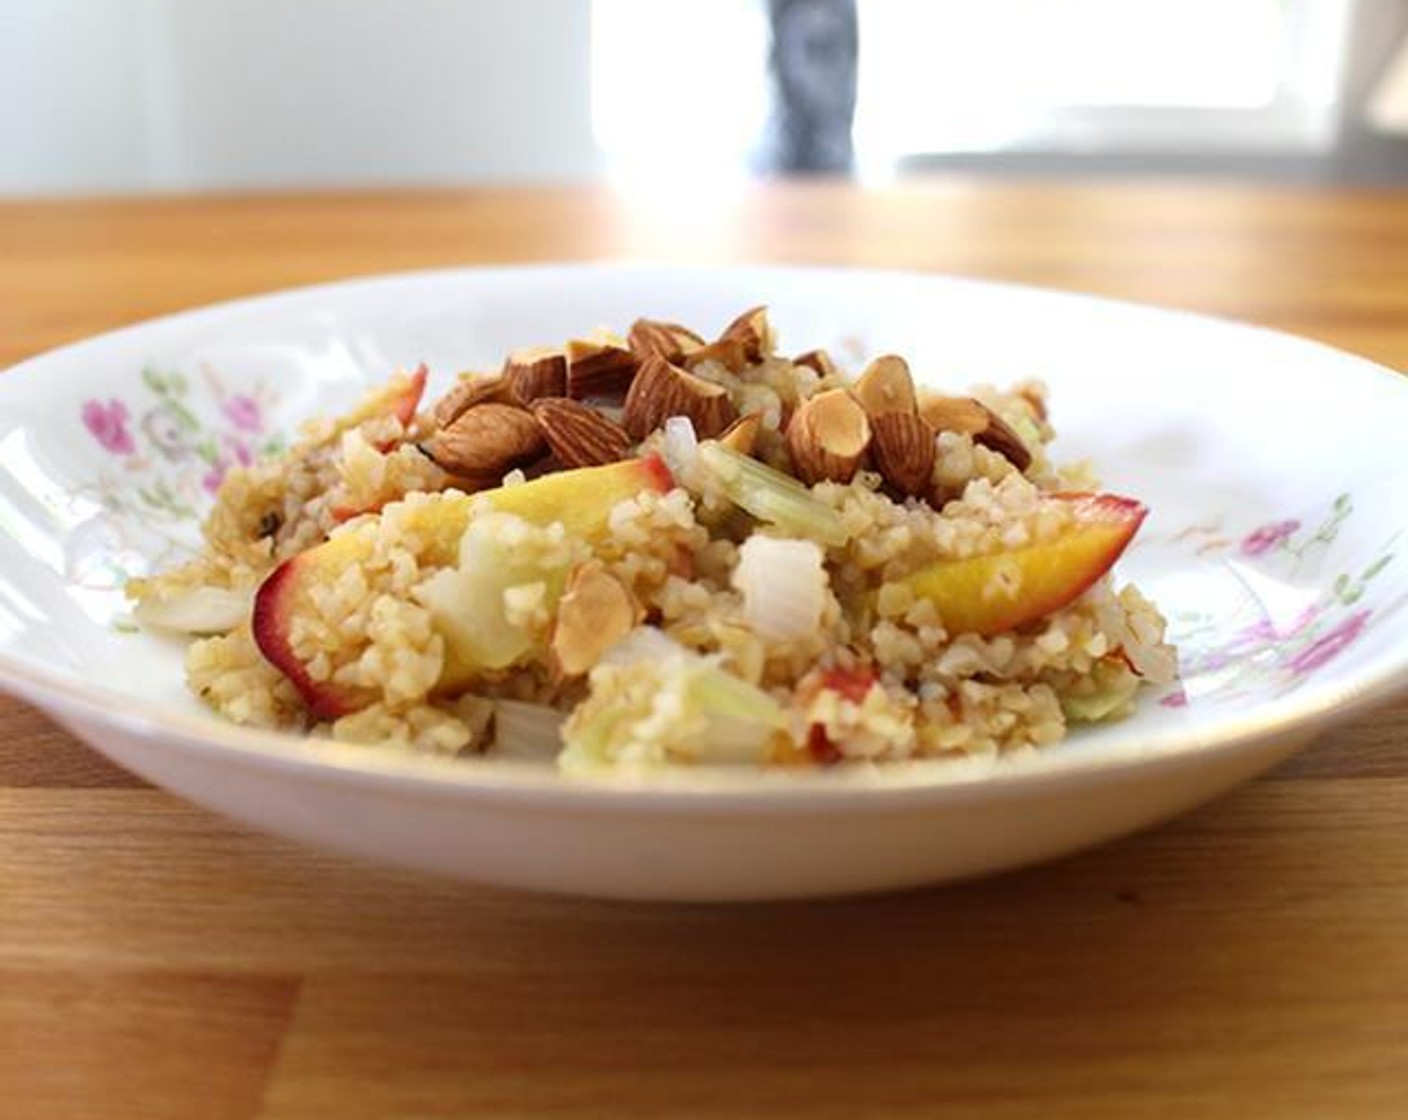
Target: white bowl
x,y
1274,468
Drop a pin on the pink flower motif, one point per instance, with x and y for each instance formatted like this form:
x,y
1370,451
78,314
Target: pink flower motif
x,y
1328,645
1267,537
238,449
212,479
1176,699
243,412
108,425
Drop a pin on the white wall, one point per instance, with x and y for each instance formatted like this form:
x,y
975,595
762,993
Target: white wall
x,y
118,95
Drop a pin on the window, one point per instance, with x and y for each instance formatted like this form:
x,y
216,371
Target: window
x,y
952,76
1098,75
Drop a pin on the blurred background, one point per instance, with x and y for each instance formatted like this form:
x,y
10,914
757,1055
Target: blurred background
x,y
124,96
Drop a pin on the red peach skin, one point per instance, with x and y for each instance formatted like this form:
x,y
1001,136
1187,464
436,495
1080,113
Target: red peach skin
x,y
1001,590
581,499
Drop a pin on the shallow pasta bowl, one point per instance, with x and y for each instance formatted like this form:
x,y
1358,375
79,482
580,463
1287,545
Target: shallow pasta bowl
x,y
1272,466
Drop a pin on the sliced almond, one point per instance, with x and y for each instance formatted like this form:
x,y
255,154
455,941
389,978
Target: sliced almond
x,y
903,451
578,434
470,390
827,436
486,442
742,434
599,368
820,361
886,386
536,371
662,390
972,417
595,612
752,332
665,340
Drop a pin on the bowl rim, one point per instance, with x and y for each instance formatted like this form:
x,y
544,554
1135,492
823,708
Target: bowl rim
x,y
707,788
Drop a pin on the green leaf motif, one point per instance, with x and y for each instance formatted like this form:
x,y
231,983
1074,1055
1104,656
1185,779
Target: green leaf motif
x,y
183,415
154,381
1377,566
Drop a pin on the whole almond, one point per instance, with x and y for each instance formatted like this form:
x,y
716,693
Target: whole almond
x,y
578,434
661,390
670,341
486,441
827,436
536,371
903,451
599,369
884,386
470,390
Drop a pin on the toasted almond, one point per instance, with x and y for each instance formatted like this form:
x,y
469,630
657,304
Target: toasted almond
x,y
578,434
742,434
662,390
999,436
953,414
548,464
972,417
903,451
486,441
1035,396
595,612
886,386
728,352
827,436
666,340
470,390
599,368
752,332
536,371
820,361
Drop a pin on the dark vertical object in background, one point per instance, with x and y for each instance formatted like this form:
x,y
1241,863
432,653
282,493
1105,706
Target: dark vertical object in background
x,y
813,73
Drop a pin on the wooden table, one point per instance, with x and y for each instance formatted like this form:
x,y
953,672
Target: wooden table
x,y
1250,960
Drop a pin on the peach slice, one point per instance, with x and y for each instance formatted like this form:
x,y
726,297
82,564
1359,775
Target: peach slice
x,y
582,500
399,397
1000,590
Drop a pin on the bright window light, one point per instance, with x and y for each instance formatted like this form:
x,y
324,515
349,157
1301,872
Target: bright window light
x,y
679,83
951,75
682,83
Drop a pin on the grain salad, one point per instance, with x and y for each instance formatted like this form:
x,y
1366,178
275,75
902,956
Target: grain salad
x,y
664,549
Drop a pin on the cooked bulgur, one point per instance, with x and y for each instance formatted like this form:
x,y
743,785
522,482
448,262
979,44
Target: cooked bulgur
x,y
690,602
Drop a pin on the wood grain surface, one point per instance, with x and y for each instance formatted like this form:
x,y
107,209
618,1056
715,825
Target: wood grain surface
x,y
1249,960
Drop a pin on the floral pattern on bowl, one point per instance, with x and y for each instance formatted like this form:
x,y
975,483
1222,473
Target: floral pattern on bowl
x,y
176,445
168,450
1281,632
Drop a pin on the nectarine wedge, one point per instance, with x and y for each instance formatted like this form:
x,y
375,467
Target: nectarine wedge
x,y
582,500
997,591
